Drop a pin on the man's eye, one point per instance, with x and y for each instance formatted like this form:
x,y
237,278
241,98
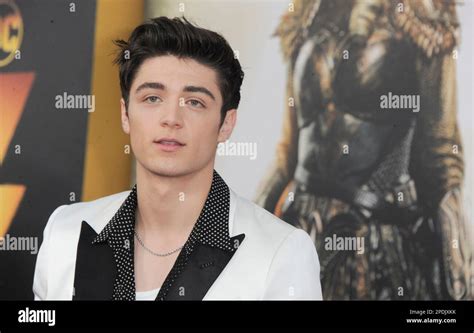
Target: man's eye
x,y
152,99
196,103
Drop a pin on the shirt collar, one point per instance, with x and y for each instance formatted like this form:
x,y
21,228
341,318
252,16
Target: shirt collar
x,y
211,228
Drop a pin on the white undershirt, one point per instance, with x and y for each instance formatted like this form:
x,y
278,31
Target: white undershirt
x,y
149,295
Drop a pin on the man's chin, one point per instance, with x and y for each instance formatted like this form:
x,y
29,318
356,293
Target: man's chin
x,y
171,170
165,172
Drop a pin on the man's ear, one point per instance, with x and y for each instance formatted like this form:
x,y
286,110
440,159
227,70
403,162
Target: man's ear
x,y
227,126
124,115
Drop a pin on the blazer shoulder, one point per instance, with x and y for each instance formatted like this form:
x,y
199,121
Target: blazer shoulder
x,y
96,212
87,207
54,270
261,225
282,259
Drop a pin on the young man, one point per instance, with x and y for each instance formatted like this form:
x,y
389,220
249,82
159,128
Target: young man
x,y
180,233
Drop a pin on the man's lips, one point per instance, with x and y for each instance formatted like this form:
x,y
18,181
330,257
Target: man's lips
x,y
169,141
169,144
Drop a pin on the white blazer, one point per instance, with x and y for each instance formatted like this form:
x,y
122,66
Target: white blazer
x,y
275,261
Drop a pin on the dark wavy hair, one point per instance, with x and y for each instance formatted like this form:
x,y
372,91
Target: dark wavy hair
x,y
178,37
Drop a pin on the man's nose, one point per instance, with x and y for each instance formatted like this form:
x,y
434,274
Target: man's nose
x,y
172,115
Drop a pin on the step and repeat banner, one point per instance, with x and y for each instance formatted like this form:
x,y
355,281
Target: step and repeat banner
x,y
60,135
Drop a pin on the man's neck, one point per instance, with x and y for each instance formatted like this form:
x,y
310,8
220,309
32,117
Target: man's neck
x,y
169,206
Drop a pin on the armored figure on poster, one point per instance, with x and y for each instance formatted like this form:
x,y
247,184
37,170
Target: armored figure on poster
x,y
348,167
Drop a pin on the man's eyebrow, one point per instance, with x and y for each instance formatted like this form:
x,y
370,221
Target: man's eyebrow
x,y
152,85
161,86
199,89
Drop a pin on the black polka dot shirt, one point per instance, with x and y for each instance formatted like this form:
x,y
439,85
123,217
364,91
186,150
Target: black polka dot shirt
x,y
211,228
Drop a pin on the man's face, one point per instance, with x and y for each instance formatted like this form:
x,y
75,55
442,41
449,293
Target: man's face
x,y
174,116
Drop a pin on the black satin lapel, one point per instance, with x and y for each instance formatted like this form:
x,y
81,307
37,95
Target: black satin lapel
x,y
204,266
95,268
